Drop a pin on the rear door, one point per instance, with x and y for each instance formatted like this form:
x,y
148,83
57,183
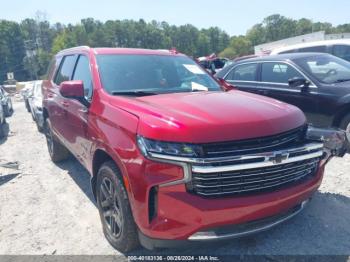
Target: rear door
x,y
244,77
342,51
273,80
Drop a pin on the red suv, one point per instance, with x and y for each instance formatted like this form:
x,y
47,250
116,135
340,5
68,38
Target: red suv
x,y
174,155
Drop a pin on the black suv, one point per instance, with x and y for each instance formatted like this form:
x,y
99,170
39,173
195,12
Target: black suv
x,y
319,84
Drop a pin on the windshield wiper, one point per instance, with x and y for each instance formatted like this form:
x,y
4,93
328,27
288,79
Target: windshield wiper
x,y
342,80
134,93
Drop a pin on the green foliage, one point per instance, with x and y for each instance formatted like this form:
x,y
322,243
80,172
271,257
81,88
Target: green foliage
x,y
239,46
26,48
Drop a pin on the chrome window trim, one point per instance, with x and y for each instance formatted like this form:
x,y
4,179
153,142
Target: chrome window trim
x,y
312,85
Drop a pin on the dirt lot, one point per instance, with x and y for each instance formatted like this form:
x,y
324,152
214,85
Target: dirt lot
x,y
49,209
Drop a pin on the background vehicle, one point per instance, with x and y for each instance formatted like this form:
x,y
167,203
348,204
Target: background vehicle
x,y
2,122
6,102
319,84
36,105
339,48
212,63
26,92
135,119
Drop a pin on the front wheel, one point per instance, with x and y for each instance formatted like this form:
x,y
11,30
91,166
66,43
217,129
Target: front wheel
x,y
116,216
345,124
57,151
2,130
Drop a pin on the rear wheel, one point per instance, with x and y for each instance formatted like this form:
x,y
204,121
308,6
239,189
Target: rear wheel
x,y
57,151
116,216
345,124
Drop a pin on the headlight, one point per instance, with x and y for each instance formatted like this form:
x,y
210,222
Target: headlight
x,y
334,139
156,148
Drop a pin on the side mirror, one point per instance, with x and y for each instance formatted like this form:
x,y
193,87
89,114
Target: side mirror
x,y
299,82
225,85
72,89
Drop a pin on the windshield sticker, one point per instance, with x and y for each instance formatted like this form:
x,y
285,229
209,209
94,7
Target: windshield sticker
x,y
198,87
194,69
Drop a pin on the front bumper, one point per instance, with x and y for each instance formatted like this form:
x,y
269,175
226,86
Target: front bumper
x,y
184,212
225,232
185,216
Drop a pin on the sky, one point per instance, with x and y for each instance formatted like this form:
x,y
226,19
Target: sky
x,y
235,17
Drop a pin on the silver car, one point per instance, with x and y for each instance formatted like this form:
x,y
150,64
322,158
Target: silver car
x,y
2,122
35,100
5,101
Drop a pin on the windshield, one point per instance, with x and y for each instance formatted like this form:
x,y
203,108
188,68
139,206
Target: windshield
x,y
326,69
152,74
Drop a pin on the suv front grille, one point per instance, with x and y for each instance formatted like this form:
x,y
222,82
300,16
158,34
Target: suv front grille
x,y
254,166
256,145
252,181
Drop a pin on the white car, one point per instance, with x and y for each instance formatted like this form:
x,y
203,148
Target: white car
x,y
339,48
35,100
2,122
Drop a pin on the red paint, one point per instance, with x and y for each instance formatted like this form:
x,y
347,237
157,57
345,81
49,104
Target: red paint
x,y
113,122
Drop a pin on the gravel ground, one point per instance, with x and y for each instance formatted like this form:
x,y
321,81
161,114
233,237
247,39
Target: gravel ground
x,y
49,209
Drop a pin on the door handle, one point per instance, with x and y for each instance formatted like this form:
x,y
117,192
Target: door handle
x,y
263,92
83,110
65,104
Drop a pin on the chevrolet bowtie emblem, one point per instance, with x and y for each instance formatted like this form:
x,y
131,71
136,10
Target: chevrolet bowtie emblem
x,y
279,157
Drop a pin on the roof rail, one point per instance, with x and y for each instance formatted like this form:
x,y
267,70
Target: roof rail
x,y
75,48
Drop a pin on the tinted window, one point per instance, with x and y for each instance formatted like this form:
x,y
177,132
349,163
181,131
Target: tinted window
x,y
288,51
318,49
342,51
66,69
82,72
246,72
326,68
153,73
278,73
37,89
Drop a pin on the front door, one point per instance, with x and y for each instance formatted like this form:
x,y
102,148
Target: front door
x,y
78,112
273,82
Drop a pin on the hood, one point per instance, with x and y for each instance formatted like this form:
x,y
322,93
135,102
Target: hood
x,y
204,117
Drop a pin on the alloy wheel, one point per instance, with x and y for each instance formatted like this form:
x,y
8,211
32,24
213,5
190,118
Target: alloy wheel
x,y
49,139
110,207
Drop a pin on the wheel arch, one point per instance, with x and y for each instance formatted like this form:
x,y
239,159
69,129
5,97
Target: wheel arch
x,y
100,157
345,110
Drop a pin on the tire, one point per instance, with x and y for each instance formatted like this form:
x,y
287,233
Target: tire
x,y
57,151
40,129
118,226
7,111
345,125
2,130
27,105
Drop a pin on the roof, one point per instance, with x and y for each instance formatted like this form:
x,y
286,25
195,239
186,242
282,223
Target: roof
x,y
311,44
122,51
290,56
